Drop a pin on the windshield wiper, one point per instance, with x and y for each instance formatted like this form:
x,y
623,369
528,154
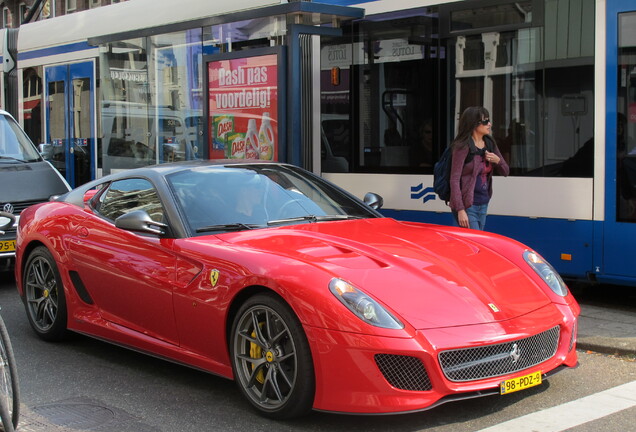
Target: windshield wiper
x,y
311,218
228,227
12,158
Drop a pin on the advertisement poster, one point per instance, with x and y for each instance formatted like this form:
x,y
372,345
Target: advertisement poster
x,y
243,108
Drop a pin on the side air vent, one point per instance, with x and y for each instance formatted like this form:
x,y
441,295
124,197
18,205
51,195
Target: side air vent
x,y
404,372
575,330
80,288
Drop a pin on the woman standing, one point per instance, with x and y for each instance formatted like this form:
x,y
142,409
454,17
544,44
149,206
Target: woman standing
x,y
475,158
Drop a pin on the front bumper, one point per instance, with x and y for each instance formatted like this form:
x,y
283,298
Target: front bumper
x,y
352,375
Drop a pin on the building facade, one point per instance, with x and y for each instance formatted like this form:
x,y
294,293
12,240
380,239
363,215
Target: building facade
x,y
15,12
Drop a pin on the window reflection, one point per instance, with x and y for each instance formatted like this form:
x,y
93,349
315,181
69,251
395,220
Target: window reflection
x,y
125,196
400,77
151,100
626,123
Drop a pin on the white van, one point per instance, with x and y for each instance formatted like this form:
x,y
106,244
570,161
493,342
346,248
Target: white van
x,y
25,179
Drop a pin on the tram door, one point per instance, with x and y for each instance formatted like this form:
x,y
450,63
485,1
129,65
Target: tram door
x,y
70,120
619,249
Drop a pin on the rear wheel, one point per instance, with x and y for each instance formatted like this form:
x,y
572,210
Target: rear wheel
x,y
5,416
271,358
44,295
9,387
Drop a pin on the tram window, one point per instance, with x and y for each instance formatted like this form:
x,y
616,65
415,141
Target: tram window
x,y
379,115
32,103
473,53
400,80
626,122
492,16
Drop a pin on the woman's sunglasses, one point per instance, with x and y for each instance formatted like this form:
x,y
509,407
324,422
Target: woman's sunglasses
x,y
484,122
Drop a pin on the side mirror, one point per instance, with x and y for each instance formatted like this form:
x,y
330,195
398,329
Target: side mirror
x,y
373,200
140,221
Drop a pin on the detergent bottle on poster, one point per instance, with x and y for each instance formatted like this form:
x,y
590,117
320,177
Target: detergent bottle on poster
x,y
266,139
251,140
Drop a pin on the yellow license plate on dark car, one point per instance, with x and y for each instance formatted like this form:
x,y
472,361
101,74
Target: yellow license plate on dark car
x,y
520,383
7,246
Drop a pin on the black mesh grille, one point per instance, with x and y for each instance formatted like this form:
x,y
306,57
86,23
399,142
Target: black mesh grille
x,y
494,360
404,372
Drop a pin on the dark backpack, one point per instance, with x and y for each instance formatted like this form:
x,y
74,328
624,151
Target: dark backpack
x,y
441,175
442,169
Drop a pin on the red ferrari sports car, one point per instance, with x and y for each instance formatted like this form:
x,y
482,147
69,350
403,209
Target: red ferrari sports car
x,y
304,295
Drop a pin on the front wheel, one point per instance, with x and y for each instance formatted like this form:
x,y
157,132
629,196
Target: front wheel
x,y
271,358
9,386
44,295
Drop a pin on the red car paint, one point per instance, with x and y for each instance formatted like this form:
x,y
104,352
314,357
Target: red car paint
x,y
451,288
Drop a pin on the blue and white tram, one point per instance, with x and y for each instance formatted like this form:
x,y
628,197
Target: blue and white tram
x,y
558,80
365,93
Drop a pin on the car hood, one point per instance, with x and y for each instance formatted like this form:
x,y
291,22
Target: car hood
x,y
33,181
428,277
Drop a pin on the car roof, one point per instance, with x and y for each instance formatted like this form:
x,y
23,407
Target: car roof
x,y
164,169
155,173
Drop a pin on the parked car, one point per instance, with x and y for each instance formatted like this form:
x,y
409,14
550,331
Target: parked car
x,y
25,179
302,293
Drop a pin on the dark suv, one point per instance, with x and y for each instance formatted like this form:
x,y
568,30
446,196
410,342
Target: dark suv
x,y
25,179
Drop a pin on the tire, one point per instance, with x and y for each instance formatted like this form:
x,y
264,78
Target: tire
x,y
5,416
271,359
9,386
44,295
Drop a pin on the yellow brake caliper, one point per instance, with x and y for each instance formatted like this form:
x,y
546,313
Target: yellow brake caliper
x,y
256,352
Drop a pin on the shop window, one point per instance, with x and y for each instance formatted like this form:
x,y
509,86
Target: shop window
x,y
151,100
24,11
71,5
47,7
6,18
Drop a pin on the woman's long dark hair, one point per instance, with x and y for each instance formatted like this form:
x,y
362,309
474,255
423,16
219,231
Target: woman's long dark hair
x,y
468,121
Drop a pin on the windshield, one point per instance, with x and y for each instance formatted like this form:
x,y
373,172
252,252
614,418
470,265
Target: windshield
x,y
231,198
15,146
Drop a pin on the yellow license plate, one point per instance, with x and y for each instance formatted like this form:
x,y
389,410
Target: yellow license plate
x,y
7,246
520,383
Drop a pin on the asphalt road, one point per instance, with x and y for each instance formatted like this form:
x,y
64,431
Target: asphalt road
x,y
85,384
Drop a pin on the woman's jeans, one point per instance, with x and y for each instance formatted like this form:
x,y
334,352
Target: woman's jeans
x,y
476,216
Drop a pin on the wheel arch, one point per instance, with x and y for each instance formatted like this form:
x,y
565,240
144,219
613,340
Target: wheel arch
x,y
238,301
30,247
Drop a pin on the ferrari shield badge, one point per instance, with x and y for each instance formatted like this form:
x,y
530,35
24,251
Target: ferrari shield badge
x,y
214,277
493,307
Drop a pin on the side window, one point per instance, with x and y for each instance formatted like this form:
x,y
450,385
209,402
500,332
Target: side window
x,y
128,195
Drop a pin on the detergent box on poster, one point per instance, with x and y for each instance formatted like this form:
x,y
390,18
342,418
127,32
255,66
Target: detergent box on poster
x,y
222,127
236,146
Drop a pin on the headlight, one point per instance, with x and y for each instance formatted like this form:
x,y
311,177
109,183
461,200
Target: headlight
x,y
363,306
547,272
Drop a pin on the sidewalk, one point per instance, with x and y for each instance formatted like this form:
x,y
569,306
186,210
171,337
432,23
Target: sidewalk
x,y
607,330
